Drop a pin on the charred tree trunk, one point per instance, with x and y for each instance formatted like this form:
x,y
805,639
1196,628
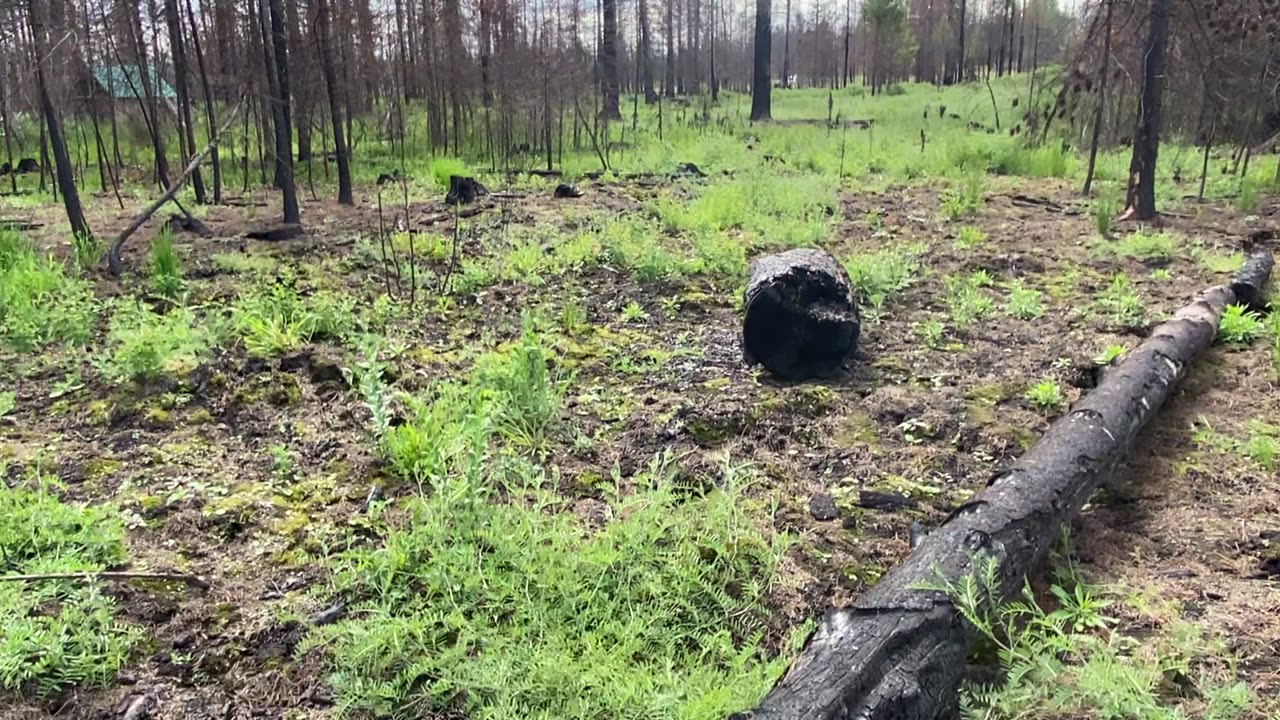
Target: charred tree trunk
x,y
609,60
761,102
899,651
645,56
1102,100
176,49
1141,196
211,119
786,48
335,106
801,318
64,172
284,128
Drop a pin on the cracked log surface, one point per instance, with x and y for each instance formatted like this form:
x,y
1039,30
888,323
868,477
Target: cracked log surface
x,y
899,653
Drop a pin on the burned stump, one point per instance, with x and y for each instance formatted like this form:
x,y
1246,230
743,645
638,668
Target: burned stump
x,y
464,190
566,191
801,317
26,166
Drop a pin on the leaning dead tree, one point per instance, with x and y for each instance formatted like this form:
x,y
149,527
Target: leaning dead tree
x,y
899,651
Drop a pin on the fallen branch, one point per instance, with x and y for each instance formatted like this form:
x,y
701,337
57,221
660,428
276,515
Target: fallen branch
x,y
113,255
191,580
899,652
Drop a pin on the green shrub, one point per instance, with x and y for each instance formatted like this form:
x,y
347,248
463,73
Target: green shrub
x,y
969,237
276,319
40,303
966,200
144,345
58,634
526,393
506,610
965,300
1025,303
1240,326
1122,303
1104,212
1145,246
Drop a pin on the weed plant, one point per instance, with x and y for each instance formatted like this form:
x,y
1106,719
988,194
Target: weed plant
x,y
165,266
1025,303
1240,326
1046,396
58,634
143,345
275,319
40,303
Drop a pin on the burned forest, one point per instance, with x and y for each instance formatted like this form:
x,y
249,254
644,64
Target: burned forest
x,y
663,359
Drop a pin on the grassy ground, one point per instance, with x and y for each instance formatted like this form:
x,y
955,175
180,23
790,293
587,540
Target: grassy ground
x,y
512,465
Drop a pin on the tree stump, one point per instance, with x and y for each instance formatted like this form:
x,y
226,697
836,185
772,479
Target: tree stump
x,y
464,190
27,165
801,317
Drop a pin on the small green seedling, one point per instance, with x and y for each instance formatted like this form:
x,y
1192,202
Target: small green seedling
x,y
1024,302
1110,354
1046,396
1239,325
633,312
969,237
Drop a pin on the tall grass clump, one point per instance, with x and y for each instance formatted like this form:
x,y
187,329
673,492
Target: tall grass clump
x,y
165,266
40,303
509,610
58,634
881,275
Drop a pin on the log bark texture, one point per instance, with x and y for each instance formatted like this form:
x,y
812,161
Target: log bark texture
x,y
801,317
899,652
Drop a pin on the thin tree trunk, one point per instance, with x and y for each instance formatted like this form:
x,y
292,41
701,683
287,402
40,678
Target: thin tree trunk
x,y
176,49
284,132
62,160
761,105
1102,100
210,116
609,60
335,107
1141,196
786,49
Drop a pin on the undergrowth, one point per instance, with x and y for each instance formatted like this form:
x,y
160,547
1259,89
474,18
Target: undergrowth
x,y
276,319
490,604
1070,659
145,345
40,303
58,634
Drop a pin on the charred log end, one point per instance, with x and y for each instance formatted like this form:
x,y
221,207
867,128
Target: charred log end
x,y
1249,283
566,191
464,190
276,233
801,320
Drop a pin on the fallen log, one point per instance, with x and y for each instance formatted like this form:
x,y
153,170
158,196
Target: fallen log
x,y
899,652
113,254
801,318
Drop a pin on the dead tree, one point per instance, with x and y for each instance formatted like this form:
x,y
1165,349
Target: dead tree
x,y
284,125
187,127
761,106
609,60
64,172
899,651
324,40
1102,99
1140,199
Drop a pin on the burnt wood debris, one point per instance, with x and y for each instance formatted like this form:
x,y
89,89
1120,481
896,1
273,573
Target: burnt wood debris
x,y
898,653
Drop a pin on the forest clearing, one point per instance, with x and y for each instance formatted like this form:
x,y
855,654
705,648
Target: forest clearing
x,y
485,441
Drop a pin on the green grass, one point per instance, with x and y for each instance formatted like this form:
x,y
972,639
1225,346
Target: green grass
x,y
964,299
505,609
882,275
164,265
968,237
1143,245
58,635
1025,303
1065,656
40,303
275,319
143,345
1122,303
